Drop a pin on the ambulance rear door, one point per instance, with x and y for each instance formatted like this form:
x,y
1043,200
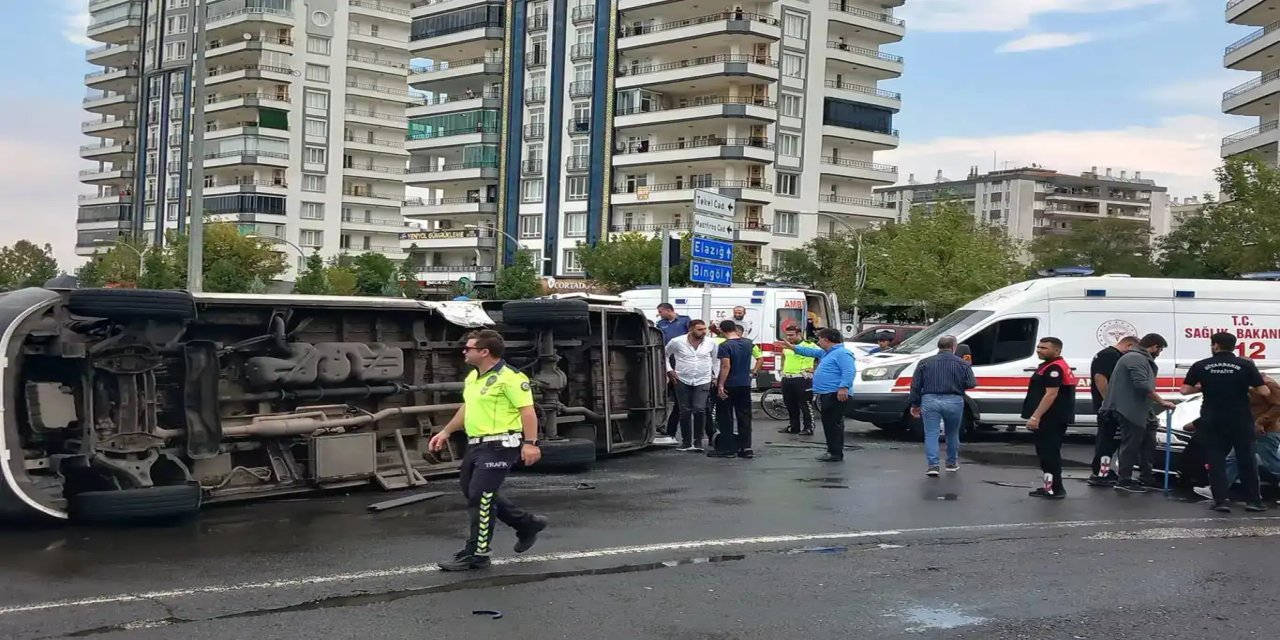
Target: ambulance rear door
x,y
1249,311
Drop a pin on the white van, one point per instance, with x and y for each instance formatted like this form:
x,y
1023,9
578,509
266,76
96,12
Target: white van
x,y
1087,314
770,310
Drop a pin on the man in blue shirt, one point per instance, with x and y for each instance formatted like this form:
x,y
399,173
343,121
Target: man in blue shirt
x,y
672,325
734,387
937,397
832,380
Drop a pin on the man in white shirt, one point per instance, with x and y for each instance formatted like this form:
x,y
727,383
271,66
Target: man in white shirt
x,y
748,326
692,365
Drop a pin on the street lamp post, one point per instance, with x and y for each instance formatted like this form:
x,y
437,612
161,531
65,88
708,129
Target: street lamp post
x,y
860,277
128,246
195,231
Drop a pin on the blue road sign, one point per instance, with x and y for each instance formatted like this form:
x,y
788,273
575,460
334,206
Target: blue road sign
x,y
710,273
708,249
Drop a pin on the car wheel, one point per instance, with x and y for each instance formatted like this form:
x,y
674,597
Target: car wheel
x,y
566,454
135,505
552,314
132,304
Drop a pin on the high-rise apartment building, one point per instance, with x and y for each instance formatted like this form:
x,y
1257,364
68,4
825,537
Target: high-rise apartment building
x,y
1258,98
1032,201
304,120
551,123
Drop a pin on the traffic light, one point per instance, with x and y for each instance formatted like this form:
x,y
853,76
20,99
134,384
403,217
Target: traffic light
x,y
673,252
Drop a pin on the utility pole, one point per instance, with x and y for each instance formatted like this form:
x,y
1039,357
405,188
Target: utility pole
x,y
195,230
666,266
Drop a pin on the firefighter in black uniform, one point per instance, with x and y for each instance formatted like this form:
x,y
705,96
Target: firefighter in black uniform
x,y
1225,421
502,430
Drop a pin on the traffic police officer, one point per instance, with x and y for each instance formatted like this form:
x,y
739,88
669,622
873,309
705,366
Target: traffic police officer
x,y
497,409
1225,418
797,384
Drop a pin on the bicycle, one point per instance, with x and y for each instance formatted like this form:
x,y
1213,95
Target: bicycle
x,y
772,404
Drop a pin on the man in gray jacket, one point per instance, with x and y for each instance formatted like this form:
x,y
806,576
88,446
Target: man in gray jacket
x,y
1132,401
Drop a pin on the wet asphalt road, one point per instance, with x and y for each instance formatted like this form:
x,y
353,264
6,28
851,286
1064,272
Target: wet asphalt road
x,y
671,545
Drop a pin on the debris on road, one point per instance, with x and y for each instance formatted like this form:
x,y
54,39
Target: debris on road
x,y
400,502
496,615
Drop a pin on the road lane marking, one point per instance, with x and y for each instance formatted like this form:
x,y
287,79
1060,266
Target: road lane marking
x,y
1182,533
420,569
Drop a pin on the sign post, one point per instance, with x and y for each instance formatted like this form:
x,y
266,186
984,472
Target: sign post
x,y
713,226
666,267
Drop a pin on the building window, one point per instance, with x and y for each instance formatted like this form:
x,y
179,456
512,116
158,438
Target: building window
x,y
531,191
786,223
535,256
317,100
793,65
171,212
794,25
570,263
344,241
575,225
576,187
313,211
149,213
789,144
179,4
316,127
317,73
311,238
175,50
531,226
314,155
790,105
313,183
788,184
318,45
175,24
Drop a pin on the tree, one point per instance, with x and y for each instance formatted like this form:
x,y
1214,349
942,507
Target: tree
x,y
1240,234
1108,246
375,274
342,281
409,286
313,280
159,272
233,263
630,260
828,263
519,280
117,266
26,265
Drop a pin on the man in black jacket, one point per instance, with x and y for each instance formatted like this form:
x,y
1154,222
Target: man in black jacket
x,y
1107,442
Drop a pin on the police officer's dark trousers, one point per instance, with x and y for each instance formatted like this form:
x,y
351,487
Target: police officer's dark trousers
x,y
797,395
484,467
1049,450
1222,436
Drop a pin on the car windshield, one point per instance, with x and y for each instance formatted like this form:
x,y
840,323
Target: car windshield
x,y
955,323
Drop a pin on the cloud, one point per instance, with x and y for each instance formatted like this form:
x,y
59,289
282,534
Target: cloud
x,y
1041,41
1202,94
1180,152
1012,15
40,187
76,23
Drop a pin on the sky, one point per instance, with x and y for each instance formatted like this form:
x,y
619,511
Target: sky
x,y
1133,85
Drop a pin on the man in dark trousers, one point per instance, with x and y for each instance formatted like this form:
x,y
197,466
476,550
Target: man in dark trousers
x,y
1225,379
1104,450
1132,399
832,380
672,325
937,398
797,385
734,391
1049,407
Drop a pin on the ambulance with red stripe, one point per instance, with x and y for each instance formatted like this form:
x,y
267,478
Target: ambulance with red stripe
x,y
1001,330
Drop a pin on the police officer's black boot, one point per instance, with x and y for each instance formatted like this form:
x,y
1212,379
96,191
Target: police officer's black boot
x,y
476,554
527,533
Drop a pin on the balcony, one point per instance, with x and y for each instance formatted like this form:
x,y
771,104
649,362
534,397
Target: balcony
x,y
375,9
727,26
537,22
235,43
112,79
118,29
1253,138
752,232
245,186
736,67
370,197
578,126
860,170
445,239
860,208
534,131
93,202
1256,51
459,173
1256,97
694,109
423,8
582,51
885,139
531,168
891,100
535,95
233,73
376,64
535,59
233,157
253,100
376,119
584,13
705,149
681,193
111,103
444,103
369,170
448,274
244,16
1252,12
374,145
445,138
578,164
114,128
449,207
110,176
426,44
376,91
456,70
879,27
113,55
883,66
580,89
107,151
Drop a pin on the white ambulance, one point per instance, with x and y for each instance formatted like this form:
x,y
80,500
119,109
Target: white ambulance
x,y
1087,314
770,309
